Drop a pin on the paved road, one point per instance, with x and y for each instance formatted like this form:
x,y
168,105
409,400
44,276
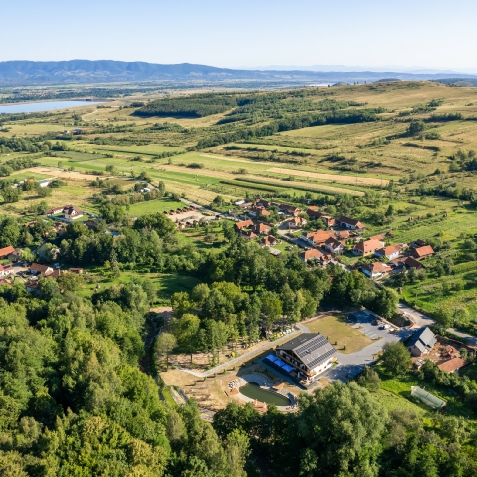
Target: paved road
x,y
471,340
419,319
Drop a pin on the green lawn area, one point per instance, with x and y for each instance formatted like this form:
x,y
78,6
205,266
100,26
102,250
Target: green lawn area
x,y
335,329
152,206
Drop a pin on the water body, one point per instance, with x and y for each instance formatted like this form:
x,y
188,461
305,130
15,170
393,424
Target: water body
x,y
38,106
254,391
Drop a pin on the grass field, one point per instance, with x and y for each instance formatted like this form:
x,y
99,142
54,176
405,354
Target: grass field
x,y
335,329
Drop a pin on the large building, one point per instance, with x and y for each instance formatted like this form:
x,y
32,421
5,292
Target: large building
x,y
422,341
308,355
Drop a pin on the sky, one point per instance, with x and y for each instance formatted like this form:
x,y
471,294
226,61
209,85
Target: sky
x,y
247,33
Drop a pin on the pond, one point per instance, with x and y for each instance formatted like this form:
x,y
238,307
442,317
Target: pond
x,y
254,391
38,106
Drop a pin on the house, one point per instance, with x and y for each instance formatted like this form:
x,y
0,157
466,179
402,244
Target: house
x,y
312,254
422,341
263,203
318,237
14,256
452,365
418,243
43,270
334,246
367,247
255,211
261,229
423,252
243,225
410,262
6,251
6,270
268,241
407,262
343,234
245,205
376,269
390,252
32,285
78,271
297,222
349,223
72,213
248,235
44,183
289,209
308,355
57,210
313,212
377,237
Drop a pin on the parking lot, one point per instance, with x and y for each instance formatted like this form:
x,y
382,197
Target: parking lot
x,y
349,365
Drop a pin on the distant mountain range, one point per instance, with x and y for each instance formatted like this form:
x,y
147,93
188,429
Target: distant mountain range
x,y
16,73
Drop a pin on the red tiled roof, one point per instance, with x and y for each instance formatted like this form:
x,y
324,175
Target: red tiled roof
x,y
313,253
6,251
424,251
451,365
244,224
368,246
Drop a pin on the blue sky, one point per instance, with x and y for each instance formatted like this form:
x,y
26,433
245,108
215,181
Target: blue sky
x,y
232,33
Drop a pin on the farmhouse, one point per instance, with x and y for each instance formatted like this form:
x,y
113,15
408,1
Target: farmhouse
x,y
255,211
289,209
243,225
423,252
375,270
407,262
367,247
349,223
6,251
268,241
72,213
57,210
318,237
421,342
43,270
312,254
261,229
297,222
390,252
334,246
309,355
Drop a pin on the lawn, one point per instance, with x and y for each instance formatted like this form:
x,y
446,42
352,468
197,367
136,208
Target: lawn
x,y
152,206
336,330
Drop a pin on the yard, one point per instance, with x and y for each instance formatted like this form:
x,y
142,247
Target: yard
x,y
339,333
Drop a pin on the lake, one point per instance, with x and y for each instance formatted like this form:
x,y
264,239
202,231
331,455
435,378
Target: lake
x,y
254,391
38,106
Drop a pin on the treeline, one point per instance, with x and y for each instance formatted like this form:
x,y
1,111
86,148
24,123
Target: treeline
x,y
17,164
16,144
196,106
288,124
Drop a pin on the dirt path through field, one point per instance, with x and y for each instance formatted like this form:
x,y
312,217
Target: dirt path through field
x,y
331,177
224,158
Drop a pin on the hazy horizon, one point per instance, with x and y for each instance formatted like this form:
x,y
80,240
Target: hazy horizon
x,y
246,33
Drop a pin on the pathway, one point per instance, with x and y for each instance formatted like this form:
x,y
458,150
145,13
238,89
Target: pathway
x,y
419,319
